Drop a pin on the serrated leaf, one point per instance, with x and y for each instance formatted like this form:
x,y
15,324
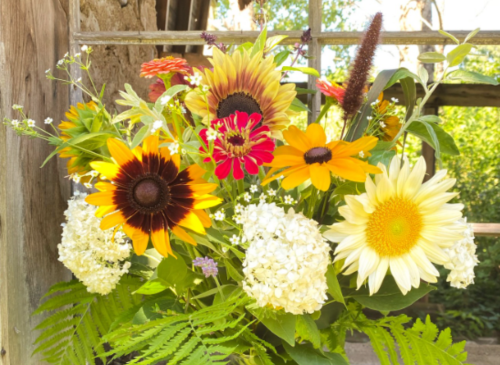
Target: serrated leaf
x,y
306,355
308,330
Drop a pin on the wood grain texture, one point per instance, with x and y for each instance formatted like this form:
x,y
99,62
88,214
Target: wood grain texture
x,y
486,229
238,37
33,36
314,51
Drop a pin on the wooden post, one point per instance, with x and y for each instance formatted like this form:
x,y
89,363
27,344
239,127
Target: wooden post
x,y
314,51
33,36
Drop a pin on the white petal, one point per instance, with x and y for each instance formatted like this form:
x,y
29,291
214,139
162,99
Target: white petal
x,y
371,190
400,273
352,269
427,191
377,277
433,203
352,217
415,179
353,256
394,169
403,177
422,261
368,262
355,205
334,236
367,205
426,276
434,252
351,243
413,270
442,217
385,190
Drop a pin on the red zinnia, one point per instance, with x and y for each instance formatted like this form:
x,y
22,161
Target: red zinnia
x,y
164,66
331,89
239,142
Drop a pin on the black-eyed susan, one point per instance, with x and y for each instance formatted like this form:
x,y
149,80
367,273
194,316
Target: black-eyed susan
x,y
309,156
389,122
149,195
239,82
401,224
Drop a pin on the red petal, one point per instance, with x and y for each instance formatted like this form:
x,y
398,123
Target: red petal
x,y
237,170
251,166
262,156
241,119
223,169
255,119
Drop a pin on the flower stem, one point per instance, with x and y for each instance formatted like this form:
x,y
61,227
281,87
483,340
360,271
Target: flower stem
x,y
219,288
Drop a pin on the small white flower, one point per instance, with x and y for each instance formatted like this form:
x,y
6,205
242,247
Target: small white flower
x,y
94,173
196,79
239,208
66,54
361,154
262,197
247,197
17,107
205,88
88,185
79,79
78,54
47,71
84,48
174,148
395,100
238,219
254,188
183,110
31,123
76,178
157,124
369,118
212,134
271,192
234,240
225,249
48,120
383,125
60,62
15,123
164,100
219,215
289,199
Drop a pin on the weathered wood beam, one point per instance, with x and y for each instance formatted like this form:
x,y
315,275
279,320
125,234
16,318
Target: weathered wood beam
x,y
314,61
486,229
466,95
237,37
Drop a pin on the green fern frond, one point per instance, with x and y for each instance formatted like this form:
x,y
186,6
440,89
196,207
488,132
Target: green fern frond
x,y
199,337
423,344
73,331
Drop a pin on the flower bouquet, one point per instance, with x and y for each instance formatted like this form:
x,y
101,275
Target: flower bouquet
x,y
218,232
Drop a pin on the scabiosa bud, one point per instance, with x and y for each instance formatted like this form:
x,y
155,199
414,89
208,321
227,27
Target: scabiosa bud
x,y
209,38
208,266
306,36
360,70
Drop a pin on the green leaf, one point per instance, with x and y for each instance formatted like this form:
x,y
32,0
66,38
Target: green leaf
x,y
153,286
272,42
304,70
233,272
400,74
298,106
452,37
383,157
282,326
172,270
301,91
471,35
260,43
281,57
140,136
424,76
308,330
389,297
148,311
446,142
306,355
471,76
431,57
456,56
333,285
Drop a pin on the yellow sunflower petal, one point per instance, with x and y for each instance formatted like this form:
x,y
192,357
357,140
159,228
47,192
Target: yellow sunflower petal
x,y
206,202
202,189
110,170
192,222
296,178
347,169
160,243
204,218
120,152
139,238
287,160
195,172
320,176
101,198
105,186
150,145
298,139
112,220
183,235
105,209
316,134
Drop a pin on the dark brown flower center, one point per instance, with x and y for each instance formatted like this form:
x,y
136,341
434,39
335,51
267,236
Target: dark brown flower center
x,y
236,140
149,194
241,102
318,154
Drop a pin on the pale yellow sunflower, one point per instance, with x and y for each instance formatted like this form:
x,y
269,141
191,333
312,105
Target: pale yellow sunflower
x,y
239,82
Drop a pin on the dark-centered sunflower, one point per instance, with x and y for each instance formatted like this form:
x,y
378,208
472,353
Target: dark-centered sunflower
x,y
149,195
239,82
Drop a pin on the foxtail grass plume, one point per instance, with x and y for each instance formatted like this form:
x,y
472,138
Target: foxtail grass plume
x,y
360,70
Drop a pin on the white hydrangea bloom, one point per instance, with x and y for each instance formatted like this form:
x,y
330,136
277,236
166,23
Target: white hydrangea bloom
x,y
286,260
90,253
463,259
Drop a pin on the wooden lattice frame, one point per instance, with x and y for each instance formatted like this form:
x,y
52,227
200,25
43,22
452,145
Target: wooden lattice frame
x,y
320,38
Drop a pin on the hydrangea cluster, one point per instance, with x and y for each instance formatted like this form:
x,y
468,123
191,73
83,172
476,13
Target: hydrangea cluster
x,y
286,260
90,253
463,259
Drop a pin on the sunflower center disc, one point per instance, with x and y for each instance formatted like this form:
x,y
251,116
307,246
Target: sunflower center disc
x,y
394,227
318,154
147,193
238,102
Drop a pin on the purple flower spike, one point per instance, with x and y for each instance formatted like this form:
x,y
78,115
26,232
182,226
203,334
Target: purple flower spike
x,y
208,266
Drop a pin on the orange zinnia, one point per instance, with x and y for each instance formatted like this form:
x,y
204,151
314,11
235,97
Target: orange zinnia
x,y
309,156
165,65
331,89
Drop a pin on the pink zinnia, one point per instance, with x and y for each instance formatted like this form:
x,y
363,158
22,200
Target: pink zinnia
x,y
331,89
239,142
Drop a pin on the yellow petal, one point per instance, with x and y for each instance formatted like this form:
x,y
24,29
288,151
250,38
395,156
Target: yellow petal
x,y
287,160
112,220
102,198
298,139
105,209
347,169
320,176
204,218
183,235
192,222
120,152
150,145
195,172
316,134
206,202
296,178
158,239
110,170
105,186
202,189
139,238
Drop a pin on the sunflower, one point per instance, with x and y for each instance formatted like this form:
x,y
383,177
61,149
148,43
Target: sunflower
x,y
164,66
149,195
75,118
309,156
399,224
243,83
